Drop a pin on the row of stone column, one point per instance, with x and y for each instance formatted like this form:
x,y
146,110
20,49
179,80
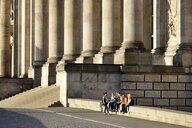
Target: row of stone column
x,y
107,32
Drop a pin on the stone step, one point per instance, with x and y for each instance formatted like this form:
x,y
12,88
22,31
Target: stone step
x,y
56,104
35,98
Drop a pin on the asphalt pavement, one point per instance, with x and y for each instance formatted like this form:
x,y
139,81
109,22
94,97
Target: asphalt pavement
x,y
71,118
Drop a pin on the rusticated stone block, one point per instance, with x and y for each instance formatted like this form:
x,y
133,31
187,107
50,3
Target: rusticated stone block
x,y
128,85
177,86
184,78
189,86
135,78
169,94
153,78
161,86
144,101
74,77
169,78
152,94
177,102
135,93
108,77
187,109
89,77
184,94
144,86
161,102
189,102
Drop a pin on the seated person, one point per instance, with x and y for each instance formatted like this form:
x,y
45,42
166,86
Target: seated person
x,y
129,103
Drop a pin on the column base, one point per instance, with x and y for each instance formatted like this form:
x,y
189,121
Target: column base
x,y
133,57
169,54
48,74
85,60
106,55
158,56
104,58
37,72
183,55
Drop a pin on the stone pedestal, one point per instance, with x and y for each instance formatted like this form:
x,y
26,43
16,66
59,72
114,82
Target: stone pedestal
x,y
104,58
158,56
183,55
48,74
132,57
111,31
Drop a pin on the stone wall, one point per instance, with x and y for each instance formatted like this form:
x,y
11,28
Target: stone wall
x,y
87,80
161,90
11,86
170,88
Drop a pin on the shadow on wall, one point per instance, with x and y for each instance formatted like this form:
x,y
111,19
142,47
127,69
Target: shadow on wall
x,y
10,119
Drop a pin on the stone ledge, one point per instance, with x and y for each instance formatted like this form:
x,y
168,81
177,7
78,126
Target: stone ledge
x,y
142,112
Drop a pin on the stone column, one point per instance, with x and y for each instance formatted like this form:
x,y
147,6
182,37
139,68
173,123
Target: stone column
x,y
56,40
111,31
72,35
32,26
41,38
91,30
159,32
15,38
184,53
25,37
132,50
5,6
72,28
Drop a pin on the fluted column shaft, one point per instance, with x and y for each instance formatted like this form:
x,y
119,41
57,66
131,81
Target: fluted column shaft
x,y
111,21
133,24
55,30
72,28
41,31
5,38
25,37
111,31
91,26
159,33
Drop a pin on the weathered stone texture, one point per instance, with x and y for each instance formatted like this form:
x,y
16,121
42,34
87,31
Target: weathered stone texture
x,y
161,86
184,94
153,78
177,86
161,102
184,78
145,86
188,86
128,85
145,101
169,94
152,94
169,78
127,77
177,102
189,102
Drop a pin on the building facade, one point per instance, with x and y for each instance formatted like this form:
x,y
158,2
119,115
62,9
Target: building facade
x,y
42,35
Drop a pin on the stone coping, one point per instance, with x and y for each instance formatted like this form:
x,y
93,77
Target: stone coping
x,y
142,112
75,67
